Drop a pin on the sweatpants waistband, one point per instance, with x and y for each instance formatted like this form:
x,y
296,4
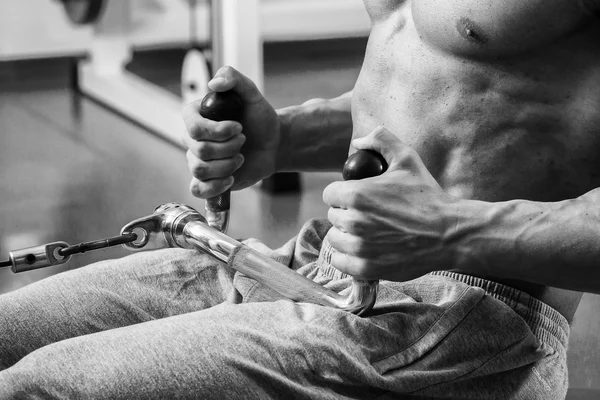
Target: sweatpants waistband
x,y
547,324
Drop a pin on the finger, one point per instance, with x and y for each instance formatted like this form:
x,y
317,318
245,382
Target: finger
x,y
344,195
200,128
387,144
353,266
347,221
206,170
228,78
207,151
398,155
211,188
348,264
348,244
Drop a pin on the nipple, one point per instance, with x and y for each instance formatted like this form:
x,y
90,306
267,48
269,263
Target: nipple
x,y
470,31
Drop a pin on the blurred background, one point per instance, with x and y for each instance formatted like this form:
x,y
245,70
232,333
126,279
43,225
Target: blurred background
x,y
78,161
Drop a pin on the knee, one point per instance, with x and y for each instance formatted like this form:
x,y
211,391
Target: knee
x,y
16,336
23,383
29,319
43,374
40,314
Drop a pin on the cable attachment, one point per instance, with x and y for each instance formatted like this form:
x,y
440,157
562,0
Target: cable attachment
x,y
56,253
36,257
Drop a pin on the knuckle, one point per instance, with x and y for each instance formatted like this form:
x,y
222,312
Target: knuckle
x,y
232,166
203,150
361,267
199,170
407,155
360,248
196,189
210,191
220,132
227,70
379,133
230,152
354,226
355,197
197,129
202,191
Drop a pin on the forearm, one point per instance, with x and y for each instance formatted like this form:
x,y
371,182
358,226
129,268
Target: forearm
x,y
315,136
553,244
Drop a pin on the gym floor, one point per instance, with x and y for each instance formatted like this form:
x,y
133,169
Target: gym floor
x,y
72,171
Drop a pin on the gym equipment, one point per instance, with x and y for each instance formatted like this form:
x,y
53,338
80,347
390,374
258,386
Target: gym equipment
x,y
102,76
83,12
221,106
196,70
178,225
235,40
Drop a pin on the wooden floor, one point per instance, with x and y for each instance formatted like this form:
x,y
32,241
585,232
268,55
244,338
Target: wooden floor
x,y
73,171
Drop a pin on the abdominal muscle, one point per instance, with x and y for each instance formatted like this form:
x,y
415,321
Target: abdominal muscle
x,y
493,128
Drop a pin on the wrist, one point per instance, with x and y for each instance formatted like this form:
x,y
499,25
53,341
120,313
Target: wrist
x,y
468,239
285,117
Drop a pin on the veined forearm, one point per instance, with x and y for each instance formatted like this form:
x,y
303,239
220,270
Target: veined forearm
x,y
554,244
315,136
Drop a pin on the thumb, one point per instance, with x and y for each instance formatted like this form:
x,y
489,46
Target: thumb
x,y
385,143
229,78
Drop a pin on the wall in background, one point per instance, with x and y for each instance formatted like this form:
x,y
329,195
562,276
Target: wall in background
x,y
39,28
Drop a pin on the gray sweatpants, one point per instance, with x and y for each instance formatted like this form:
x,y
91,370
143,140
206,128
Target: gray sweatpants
x,y
176,324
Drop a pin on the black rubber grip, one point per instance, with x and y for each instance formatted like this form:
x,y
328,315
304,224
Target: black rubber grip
x,y
364,164
219,203
221,106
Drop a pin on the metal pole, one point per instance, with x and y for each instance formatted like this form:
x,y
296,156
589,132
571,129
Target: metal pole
x,y
237,37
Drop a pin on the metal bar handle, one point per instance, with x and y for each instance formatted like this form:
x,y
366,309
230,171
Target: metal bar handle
x,y
178,225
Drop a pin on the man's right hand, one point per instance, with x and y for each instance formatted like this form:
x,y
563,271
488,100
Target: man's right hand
x,y
227,154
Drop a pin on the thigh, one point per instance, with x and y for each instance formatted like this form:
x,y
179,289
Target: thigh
x,y
108,295
428,338
246,351
458,341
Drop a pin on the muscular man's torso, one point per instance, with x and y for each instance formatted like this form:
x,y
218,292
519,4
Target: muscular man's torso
x,y
501,99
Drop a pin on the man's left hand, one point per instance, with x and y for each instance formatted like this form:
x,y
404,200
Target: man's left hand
x,y
392,226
